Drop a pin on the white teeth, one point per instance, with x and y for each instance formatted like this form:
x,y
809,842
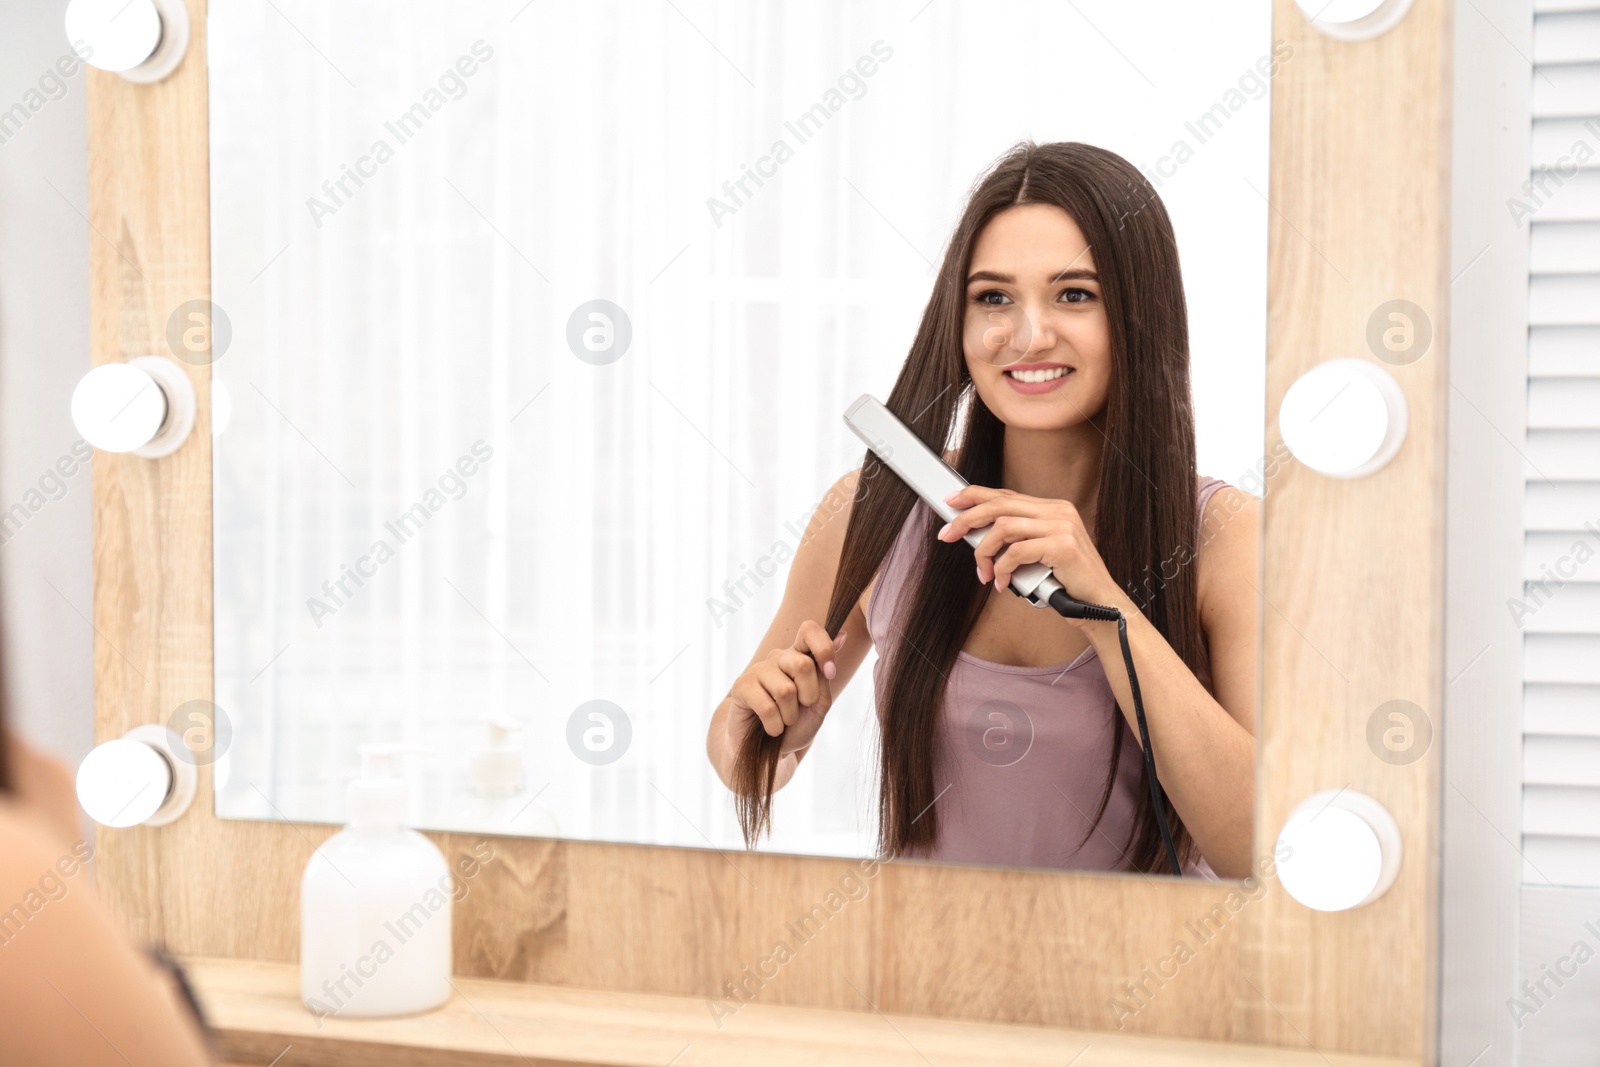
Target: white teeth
x,y
1038,375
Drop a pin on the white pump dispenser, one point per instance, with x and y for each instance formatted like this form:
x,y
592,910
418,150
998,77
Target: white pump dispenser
x,y
375,905
497,768
497,800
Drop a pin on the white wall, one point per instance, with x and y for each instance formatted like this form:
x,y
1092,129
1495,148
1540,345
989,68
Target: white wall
x,y
44,348
1481,797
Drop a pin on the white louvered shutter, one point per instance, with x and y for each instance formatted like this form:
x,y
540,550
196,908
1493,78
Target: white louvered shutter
x,y
1560,615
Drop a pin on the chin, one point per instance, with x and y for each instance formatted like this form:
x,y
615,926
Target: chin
x,y
1059,415
1058,410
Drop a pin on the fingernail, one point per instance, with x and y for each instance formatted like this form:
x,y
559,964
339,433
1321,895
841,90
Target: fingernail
x,y
944,530
829,670
948,496
838,642
980,574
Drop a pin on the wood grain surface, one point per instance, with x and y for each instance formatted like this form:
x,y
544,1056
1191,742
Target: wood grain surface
x,y
257,1018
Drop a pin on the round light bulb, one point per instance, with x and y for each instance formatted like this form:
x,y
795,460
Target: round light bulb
x,y
1341,849
118,407
123,782
121,34
1345,418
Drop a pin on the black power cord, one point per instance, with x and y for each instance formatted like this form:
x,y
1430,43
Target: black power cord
x,y
1069,608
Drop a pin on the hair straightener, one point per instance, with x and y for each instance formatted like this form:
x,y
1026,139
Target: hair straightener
x,y
932,479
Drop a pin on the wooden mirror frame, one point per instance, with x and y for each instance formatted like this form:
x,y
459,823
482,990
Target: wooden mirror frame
x,y
1352,618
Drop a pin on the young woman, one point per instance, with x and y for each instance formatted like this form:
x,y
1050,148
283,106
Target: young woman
x,y
76,991
1058,325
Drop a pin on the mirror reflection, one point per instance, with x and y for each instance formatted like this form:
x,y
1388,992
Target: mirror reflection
x,y
533,330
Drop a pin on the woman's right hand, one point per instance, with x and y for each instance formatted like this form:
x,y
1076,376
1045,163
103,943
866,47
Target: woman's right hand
x,y
787,693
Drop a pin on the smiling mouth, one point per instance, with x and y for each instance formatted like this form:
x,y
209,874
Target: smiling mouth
x,y
1023,375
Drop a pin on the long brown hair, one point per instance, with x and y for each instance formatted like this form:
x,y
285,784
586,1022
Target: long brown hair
x,y
1145,515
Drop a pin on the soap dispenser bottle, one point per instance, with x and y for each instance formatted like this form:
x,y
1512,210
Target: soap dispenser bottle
x,y
375,905
497,800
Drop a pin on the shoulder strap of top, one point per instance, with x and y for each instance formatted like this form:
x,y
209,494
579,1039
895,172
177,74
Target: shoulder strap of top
x,y
1208,489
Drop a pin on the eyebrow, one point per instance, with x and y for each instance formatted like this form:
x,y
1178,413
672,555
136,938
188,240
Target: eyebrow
x,y
1070,274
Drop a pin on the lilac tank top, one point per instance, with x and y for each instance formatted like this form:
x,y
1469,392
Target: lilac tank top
x,y
1024,749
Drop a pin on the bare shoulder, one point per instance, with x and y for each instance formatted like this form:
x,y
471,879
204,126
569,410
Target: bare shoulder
x,y
37,868
34,858
1228,554
832,513
27,841
43,784
813,571
69,966
816,558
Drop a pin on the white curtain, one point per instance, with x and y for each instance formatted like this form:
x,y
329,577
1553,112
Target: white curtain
x,y
534,159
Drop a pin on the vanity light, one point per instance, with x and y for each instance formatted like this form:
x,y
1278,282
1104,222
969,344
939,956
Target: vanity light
x,y
138,779
142,40
1345,418
144,406
1354,20
1343,850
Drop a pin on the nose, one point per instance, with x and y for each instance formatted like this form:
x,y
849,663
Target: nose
x,y
1024,331
1042,332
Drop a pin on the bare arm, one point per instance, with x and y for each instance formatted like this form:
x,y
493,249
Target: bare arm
x,y
43,785
1204,742
805,599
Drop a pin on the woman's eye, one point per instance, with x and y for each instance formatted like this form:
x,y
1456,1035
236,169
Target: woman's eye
x,y
1076,296
993,297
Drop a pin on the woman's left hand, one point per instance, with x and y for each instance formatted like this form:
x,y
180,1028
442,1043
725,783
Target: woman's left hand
x,y
1029,529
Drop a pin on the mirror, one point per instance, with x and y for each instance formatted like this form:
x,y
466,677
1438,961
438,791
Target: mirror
x,y
531,333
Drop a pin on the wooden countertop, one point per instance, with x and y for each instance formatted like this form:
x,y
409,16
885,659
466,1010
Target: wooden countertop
x,y
256,1016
